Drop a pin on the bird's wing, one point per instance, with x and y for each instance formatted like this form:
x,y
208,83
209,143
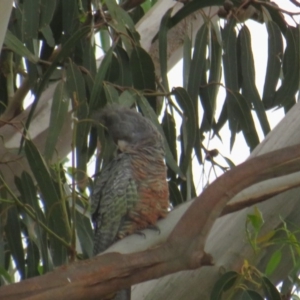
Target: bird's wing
x,y
114,194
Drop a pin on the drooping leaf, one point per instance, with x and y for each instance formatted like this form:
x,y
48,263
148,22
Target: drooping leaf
x,y
95,100
222,284
277,17
273,262
270,289
244,117
215,71
249,90
48,35
143,73
124,71
32,259
76,89
31,11
275,51
191,7
14,238
231,76
175,195
105,40
82,129
122,23
12,42
112,95
88,57
250,295
198,63
291,68
47,9
53,203
169,127
190,115
186,60
163,45
70,19
60,56
85,234
29,197
126,99
58,114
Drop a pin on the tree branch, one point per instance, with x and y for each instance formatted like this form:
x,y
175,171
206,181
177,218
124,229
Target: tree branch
x,y
183,249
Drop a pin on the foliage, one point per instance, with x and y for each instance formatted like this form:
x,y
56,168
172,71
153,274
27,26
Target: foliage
x,y
46,223
250,283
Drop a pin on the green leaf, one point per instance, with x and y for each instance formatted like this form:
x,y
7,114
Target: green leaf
x,y
85,234
121,21
48,35
13,235
59,110
163,47
277,17
215,72
229,162
191,7
105,40
29,197
256,220
250,295
68,45
223,117
270,290
111,94
31,17
76,89
95,100
249,90
231,76
291,68
12,42
41,173
198,63
273,262
186,60
126,99
75,84
82,130
143,72
70,21
169,127
53,203
33,259
275,51
5,275
244,117
175,195
190,115
224,283
124,71
47,9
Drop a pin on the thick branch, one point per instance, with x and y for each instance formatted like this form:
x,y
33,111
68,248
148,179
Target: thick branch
x,y
183,250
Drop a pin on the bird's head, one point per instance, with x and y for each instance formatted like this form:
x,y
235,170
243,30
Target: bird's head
x,y
129,129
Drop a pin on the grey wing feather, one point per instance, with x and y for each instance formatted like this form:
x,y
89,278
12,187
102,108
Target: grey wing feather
x,y
112,197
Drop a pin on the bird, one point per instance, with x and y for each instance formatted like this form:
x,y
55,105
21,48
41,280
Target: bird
x,y
131,192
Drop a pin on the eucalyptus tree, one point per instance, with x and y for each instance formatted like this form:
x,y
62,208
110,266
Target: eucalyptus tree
x,y
72,58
